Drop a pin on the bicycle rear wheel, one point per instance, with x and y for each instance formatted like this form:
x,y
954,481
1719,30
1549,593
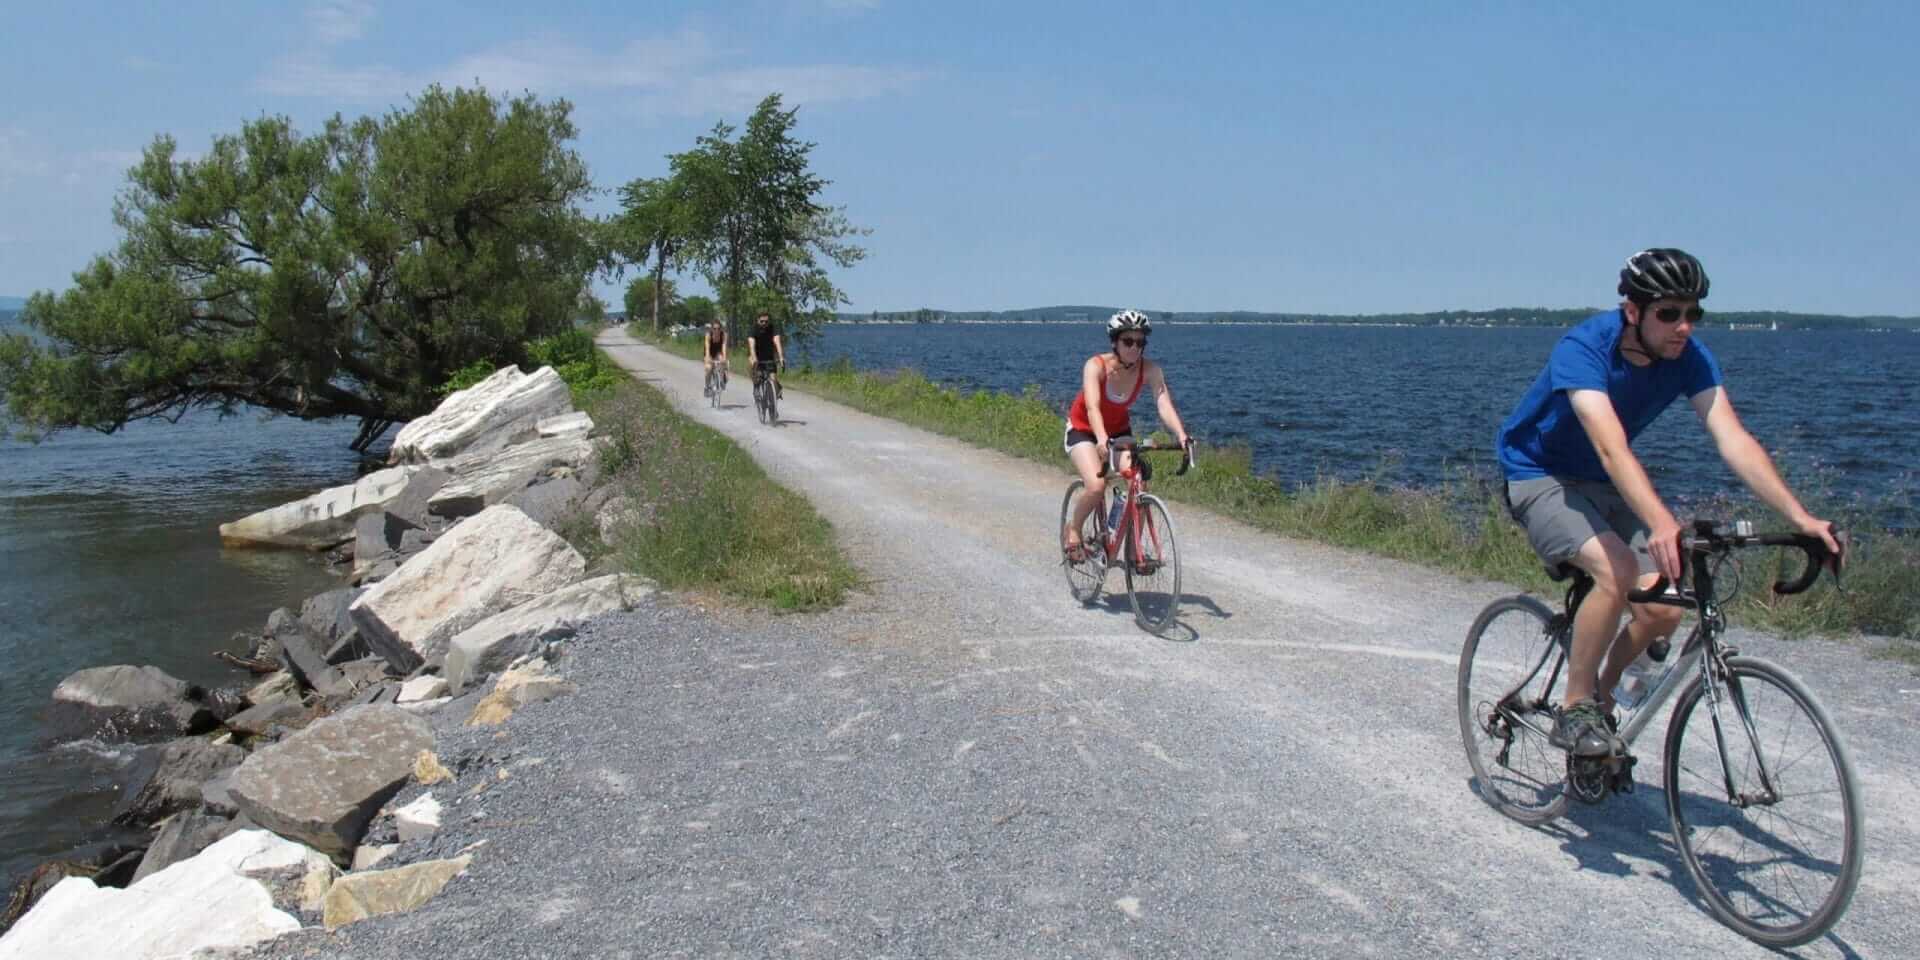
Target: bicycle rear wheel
x,y
1153,566
1512,672
1780,865
1086,578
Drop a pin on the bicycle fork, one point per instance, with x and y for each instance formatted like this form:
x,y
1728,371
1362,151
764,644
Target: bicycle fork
x,y
1718,693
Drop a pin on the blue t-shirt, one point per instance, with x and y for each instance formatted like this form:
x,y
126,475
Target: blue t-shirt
x,y
1543,435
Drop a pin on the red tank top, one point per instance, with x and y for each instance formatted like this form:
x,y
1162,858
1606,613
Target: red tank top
x,y
1114,415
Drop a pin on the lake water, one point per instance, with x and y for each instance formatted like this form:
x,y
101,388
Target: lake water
x,y
1415,405
109,551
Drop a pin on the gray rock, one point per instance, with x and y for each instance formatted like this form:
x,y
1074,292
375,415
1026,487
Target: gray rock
x,y
485,480
349,648
181,836
547,500
172,780
383,692
216,796
128,701
326,613
261,717
493,643
489,563
305,656
411,505
376,538
322,785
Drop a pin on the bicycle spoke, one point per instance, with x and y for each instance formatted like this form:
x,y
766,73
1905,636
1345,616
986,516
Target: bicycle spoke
x,y
1780,870
1506,667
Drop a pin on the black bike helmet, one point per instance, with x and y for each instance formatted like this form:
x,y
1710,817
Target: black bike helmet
x,y
1663,273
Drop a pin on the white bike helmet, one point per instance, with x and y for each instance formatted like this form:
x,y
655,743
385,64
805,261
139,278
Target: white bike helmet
x,y
1128,320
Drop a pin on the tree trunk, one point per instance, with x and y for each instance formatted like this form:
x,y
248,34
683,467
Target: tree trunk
x,y
659,273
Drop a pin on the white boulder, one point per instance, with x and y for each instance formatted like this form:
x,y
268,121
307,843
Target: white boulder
x,y
210,901
491,562
500,410
319,522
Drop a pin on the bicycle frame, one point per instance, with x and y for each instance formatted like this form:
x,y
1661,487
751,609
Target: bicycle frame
x,y
1131,519
1701,653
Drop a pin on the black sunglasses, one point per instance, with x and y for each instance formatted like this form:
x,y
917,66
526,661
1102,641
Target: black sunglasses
x,y
1131,341
1672,314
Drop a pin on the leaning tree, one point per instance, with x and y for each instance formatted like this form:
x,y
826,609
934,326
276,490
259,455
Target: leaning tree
x,y
347,273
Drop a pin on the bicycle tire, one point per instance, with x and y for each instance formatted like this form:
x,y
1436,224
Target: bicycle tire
x,y
773,406
1153,566
1512,655
1086,578
1772,702
761,392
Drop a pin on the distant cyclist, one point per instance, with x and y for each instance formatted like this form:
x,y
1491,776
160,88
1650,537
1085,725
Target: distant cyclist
x,y
765,352
1109,383
717,344
1574,484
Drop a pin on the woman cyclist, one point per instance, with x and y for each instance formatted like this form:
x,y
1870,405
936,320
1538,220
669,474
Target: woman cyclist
x,y
716,349
1109,383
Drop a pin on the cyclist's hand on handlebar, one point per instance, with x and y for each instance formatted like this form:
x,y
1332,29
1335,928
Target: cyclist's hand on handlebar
x,y
1813,526
1663,543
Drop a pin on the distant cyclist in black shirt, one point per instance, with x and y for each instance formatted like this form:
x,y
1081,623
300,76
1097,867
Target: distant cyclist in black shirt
x,y
765,352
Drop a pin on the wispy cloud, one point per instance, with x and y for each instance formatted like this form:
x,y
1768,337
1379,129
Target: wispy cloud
x,y
679,73
337,21
21,156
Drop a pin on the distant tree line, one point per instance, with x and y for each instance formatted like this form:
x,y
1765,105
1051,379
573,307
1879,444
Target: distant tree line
x,y
1500,317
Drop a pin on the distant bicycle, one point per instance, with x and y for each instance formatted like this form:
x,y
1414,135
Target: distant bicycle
x,y
765,401
1141,543
1761,791
716,383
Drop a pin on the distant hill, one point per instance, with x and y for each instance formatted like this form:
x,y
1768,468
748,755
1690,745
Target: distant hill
x,y
10,304
1501,317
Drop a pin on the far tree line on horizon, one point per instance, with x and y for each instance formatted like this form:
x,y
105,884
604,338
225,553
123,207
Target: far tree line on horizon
x,y
357,271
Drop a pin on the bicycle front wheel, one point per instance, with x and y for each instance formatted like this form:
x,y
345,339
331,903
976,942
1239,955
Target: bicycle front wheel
x,y
1512,672
1153,566
1766,809
1085,578
762,400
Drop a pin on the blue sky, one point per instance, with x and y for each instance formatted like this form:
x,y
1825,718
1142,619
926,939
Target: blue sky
x,y
1341,158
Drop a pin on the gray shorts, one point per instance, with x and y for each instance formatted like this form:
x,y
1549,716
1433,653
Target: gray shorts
x,y
1561,514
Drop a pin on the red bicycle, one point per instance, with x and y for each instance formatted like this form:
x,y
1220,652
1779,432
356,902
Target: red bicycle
x,y
1141,541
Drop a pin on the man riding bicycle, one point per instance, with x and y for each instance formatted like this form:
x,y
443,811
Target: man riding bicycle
x,y
1574,484
765,353
717,344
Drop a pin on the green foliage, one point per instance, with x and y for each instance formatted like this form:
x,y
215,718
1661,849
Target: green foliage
x,y
744,212
351,272
469,375
573,355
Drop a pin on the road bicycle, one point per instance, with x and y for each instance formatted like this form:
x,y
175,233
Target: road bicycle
x,y
716,383
1760,788
765,401
1141,543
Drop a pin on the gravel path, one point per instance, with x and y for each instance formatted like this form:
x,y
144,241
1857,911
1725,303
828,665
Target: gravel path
x,y
964,762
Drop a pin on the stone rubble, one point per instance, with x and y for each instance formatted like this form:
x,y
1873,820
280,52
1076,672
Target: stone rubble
x,y
456,574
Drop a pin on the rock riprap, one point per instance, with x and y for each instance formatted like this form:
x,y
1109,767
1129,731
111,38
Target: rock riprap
x,y
323,784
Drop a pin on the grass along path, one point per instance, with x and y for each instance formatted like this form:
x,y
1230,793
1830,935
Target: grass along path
x,y
705,516
1460,527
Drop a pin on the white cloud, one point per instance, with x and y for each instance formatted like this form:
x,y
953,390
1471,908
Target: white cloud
x,y
21,156
681,73
337,21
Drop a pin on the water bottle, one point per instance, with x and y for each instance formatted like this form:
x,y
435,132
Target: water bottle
x,y
1636,681
1119,505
